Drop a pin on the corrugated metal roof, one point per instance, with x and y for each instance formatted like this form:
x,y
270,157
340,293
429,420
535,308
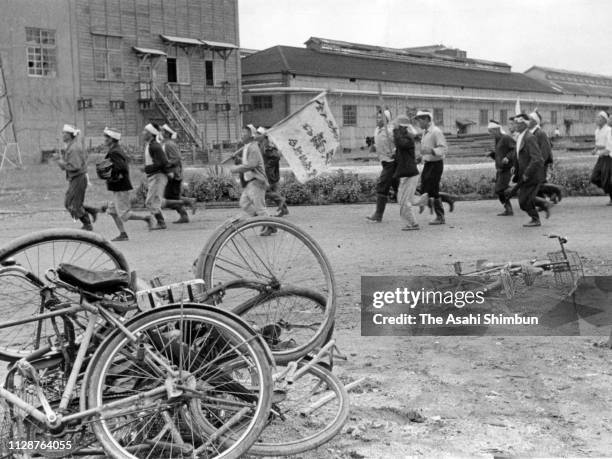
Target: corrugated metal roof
x,y
181,40
218,44
301,61
574,83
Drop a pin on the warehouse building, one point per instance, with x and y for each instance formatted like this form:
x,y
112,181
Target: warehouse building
x,y
463,93
97,63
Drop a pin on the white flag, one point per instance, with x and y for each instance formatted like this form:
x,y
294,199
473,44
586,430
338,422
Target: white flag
x,y
517,107
307,138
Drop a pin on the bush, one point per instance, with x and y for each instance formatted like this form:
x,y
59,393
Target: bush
x,y
575,179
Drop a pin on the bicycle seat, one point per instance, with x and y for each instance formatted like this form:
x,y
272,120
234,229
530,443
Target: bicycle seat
x,y
107,281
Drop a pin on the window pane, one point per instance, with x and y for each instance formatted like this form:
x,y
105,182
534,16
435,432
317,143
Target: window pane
x,y
503,117
99,41
484,117
114,60
438,116
114,43
210,81
100,65
349,115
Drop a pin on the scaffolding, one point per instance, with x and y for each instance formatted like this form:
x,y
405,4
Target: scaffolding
x,y
9,147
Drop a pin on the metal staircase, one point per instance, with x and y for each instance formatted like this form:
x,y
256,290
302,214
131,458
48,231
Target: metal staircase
x,y
169,104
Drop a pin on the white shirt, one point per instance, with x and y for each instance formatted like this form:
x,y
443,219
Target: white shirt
x,y
147,155
602,136
383,141
519,139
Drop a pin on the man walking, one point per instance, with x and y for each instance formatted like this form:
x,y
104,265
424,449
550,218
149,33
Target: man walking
x,y
406,171
74,162
383,144
433,151
156,166
528,171
117,178
547,189
503,155
252,178
174,188
272,157
602,172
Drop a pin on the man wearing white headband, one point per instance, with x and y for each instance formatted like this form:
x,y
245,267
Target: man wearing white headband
x,y
252,178
602,172
119,183
174,188
528,172
383,146
73,160
547,189
503,154
156,167
271,158
433,151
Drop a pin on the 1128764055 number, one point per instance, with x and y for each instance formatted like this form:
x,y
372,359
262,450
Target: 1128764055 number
x,y
35,445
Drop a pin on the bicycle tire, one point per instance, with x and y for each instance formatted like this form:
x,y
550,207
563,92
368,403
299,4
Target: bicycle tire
x,y
38,252
225,257
287,444
283,318
114,347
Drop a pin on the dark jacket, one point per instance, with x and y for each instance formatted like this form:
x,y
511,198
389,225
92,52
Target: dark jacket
x,y
505,147
529,161
120,174
271,157
404,153
544,145
173,153
159,158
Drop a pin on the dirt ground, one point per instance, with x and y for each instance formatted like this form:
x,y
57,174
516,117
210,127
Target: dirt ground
x,y
430,396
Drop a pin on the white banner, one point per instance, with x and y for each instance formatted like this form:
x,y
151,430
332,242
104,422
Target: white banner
x,y
307,138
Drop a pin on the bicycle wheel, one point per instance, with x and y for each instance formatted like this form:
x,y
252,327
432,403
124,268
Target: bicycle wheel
x,y
157,419
293,321
23,264
296,425
290,258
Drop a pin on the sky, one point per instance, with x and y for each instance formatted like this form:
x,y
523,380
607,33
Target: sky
x,y
565,34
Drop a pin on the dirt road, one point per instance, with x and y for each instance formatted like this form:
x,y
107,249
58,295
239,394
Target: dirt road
x,y
431,396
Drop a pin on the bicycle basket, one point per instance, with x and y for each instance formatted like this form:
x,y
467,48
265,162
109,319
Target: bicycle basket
x,y
567,268
104,169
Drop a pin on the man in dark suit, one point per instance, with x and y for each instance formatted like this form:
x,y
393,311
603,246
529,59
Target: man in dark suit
x,y
529,172
504,156
547,189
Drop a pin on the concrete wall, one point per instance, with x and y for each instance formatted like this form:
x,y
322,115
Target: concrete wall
x,y
40,105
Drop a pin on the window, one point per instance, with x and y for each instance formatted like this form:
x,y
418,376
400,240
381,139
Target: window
x,y
438,115
484,117
349,115
172,74
41,52
262,102
503,117
107,58
553,117
208,68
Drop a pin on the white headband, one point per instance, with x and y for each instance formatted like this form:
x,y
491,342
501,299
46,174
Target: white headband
x,y
251,128
534,116
112,133
603,115
421,113
150,129
493,125
169,130
261,130
71,130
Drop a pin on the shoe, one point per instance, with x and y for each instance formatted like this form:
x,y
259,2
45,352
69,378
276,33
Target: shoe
x,y
506,213
183,219
374,219
150,222
268,231
532,223
411,227
438,221
160,226
282,211
121,237
87,227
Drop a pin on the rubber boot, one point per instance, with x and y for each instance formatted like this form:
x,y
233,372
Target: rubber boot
x,y
381,203
449,199
439,211
184,218
87,226
161,223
